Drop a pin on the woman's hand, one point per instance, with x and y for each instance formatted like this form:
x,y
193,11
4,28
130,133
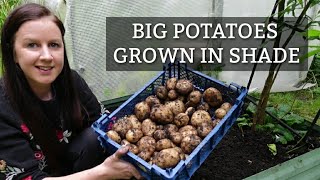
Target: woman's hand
x,y
116,168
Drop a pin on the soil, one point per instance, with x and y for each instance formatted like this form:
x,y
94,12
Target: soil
x,y
240,155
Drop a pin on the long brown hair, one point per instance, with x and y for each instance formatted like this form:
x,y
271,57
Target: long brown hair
x,y
22,98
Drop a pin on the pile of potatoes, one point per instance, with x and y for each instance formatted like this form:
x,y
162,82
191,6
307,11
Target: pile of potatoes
x,y
167,126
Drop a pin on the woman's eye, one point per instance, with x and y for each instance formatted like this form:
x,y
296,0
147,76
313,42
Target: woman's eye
x,y
54,45
32,45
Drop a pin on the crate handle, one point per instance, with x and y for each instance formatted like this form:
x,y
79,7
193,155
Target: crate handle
x,y
236,86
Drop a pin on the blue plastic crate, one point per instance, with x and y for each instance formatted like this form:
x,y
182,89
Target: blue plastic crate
x,y
231,93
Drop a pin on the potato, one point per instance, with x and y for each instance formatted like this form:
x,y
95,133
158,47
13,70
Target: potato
x,y
184,86
159,134
148,127
134,135
142,110
125,142
175,137
167,158
187,131
161,114
162,92
186,128
172,94
146,142
194,99
114,136
176,106
152,100
122,126
134,121
153,157
190,111
170,128
145,155
182,98
189,143
181,119
226,106
204,129
199,117
159,127
164,144
171,83
212,96
133,148
155,153
215,122
203,106
220,113
181,153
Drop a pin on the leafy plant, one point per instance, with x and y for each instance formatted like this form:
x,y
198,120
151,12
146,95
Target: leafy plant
x,y
244,121
281,111
314,71
284,8
5,7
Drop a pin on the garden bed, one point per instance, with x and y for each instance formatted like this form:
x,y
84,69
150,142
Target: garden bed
x,y
238,157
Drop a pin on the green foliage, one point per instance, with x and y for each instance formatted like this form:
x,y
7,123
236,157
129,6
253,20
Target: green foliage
x,y
5,7
314,71
280,134
244,121
305,103
281,111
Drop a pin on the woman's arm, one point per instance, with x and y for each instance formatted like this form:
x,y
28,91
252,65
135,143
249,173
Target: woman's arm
x,y
112,168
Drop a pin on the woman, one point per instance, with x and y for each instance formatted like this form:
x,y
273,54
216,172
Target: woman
x,y
46,109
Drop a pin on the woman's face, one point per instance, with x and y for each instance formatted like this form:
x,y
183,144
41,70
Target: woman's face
x,y
39,51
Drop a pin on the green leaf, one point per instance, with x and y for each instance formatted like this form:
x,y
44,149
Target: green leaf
x,y
283,109
272,148
269,126
281,139
244,124
278,129
272,110
288,136
242,121
251,108
313,33
309,54
292,119
301,132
